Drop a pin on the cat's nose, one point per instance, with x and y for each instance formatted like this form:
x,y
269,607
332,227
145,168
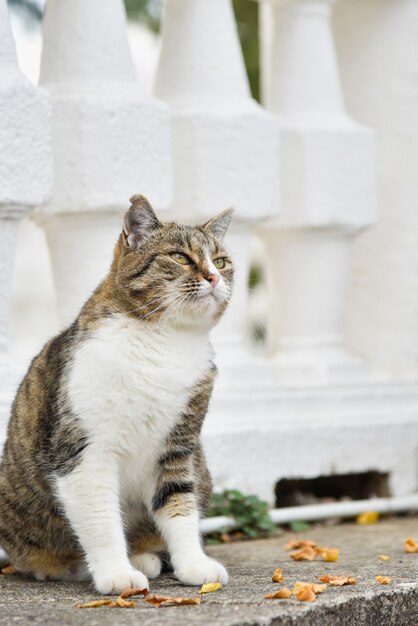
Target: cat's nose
x,y
213,279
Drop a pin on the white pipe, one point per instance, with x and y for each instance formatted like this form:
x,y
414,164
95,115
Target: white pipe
x,y
321,511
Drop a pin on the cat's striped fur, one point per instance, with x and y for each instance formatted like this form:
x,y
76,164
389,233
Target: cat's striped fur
x,y
103,467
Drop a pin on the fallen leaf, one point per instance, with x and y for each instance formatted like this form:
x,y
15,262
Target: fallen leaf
x,y
294,544
383,580
209,587
280,594
8,571
124,604
94,604
368,517
384,557
277,576
410,545
316,588
328,554
134,592
166,600
305,592
337,581
308,553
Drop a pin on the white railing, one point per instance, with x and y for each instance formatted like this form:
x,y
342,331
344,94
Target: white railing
x,y
300,176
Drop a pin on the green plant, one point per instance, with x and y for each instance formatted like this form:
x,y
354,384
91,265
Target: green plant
x,y
250,513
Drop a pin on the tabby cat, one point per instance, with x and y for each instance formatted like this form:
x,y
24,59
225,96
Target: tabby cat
x,y
103,469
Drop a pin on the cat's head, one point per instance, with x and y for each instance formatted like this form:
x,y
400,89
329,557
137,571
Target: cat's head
x,y
171,273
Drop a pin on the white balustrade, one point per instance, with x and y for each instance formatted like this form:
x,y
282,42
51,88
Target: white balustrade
x,y
377,44
225,147
25,181
328,197
109,142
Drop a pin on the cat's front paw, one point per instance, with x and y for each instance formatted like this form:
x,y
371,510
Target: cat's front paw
x,y
115,582
200,571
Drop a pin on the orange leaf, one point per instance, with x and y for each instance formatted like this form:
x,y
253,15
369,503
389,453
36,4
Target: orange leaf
x,y
410,545
308,553
383,580
124,604
305,592
8,571
277,576
134,592
301,585
294,544
166,600
328,554
337,581
95,604
280,594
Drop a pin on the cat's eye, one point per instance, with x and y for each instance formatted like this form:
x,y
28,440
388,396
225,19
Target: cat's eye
x,y
219,263
180,258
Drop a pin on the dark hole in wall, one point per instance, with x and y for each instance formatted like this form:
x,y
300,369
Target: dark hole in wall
x,y
298,491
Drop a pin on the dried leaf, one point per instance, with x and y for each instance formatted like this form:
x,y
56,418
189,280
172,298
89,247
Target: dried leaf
x,y
294,544
95,604
337,581
328,554
304,592
410,545
124,604
166,600
209,587
134,592
368,517
383,580
8,571
308,553
281,594
277,576
301,585
384,557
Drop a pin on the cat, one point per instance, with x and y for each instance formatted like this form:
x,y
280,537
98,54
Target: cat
x,y
103,469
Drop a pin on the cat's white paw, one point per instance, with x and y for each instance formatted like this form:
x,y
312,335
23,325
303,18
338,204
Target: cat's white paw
x,y
119,580
200,571
148,563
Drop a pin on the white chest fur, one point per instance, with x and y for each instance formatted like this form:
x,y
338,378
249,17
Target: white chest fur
x,y
129,384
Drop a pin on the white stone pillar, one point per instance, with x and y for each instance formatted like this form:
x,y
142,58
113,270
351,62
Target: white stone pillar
x,y
109,142
377,45
225,147
25,181
328,197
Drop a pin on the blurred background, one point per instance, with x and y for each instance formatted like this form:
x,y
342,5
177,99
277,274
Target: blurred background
x,y
302,115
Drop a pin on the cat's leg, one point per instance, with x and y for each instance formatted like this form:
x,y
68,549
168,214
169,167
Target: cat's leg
x,y
177,518
90,497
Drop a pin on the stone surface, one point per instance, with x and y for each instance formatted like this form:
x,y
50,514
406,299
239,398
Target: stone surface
x,y
255,437
328,196
241,602
379,76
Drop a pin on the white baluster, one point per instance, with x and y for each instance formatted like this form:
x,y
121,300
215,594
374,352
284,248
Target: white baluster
x,y
377,44
225,147
109,142
328,197
25,181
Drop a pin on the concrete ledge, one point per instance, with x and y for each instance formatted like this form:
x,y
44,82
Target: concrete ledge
x,y
242,602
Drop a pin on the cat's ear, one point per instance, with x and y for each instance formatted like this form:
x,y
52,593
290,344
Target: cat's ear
x,y
219,224
139,220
